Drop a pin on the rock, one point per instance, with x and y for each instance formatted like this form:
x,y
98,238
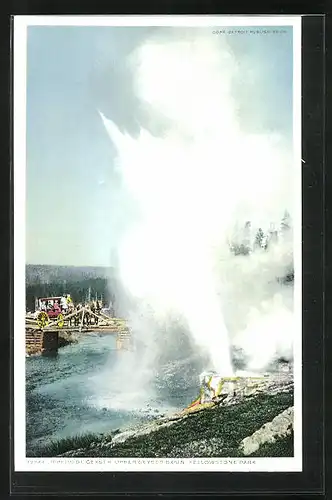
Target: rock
x,y
280,426
66,338
123,436
247,388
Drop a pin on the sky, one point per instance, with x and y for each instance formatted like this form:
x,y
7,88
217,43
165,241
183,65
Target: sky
x,y
75,72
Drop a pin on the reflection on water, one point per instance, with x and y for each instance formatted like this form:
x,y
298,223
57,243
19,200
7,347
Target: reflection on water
x,y
81,389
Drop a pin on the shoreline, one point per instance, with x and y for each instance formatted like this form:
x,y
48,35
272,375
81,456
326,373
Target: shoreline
x,y
239,424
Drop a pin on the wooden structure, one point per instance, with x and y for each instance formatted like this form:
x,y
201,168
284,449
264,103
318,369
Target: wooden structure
x,y
42,332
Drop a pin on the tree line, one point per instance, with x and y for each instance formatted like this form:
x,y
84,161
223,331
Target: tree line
x,y
245,244
262,240
79,290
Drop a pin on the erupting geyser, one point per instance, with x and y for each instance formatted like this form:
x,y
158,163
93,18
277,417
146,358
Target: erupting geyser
x,y
191,183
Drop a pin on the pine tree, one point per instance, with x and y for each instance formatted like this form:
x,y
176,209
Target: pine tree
x,y
286,222
259,238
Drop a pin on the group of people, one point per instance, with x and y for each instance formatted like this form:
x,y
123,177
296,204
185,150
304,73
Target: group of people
x,y
66,306
94,306
63,305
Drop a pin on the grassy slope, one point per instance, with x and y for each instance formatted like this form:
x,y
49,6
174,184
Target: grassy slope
x,y
215,432
55,448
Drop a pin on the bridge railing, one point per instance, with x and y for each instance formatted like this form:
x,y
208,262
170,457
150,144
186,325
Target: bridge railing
x,y
83,312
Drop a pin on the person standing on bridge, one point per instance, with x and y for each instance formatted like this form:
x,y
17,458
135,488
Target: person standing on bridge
x,y
64,305
87,315
98,308
93,310
70,303
56,307
77,316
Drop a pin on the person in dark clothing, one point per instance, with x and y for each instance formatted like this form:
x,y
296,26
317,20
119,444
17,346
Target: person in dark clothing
x,y
93,310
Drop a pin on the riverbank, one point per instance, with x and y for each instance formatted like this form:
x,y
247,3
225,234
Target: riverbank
x,y
258,423
35,344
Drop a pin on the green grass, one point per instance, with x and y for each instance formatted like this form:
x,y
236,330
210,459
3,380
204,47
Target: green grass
x,y
57,447
215,432
227,426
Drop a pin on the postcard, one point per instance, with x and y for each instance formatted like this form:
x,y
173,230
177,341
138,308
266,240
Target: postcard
x,y
157,243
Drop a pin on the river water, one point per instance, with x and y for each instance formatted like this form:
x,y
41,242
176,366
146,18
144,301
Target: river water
x,y
90,387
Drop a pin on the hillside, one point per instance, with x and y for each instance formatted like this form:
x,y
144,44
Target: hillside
x,y
44,274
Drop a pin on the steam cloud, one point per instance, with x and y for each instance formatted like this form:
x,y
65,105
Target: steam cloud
x,y
192,186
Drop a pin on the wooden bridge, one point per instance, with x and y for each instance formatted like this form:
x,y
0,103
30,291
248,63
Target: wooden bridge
x,y
45,334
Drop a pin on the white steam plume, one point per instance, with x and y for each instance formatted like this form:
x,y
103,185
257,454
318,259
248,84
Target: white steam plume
x,y
191,186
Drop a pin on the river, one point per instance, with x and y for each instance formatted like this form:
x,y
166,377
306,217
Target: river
x,y
89,386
